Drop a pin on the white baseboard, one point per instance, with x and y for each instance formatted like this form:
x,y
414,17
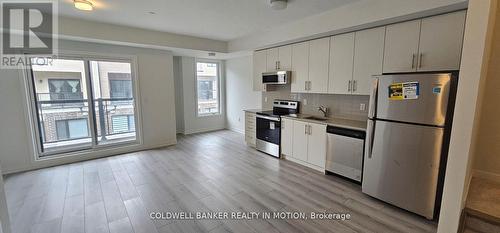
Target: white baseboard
x,y
204,130
486,175
236,130
320,169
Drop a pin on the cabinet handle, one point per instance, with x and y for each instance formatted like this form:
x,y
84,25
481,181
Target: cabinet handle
x,y
279,65
420,60
305,85
413,61
310,129
310,84
349,86
354,86
305,129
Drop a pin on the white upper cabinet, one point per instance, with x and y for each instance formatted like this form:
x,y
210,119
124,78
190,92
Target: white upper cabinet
x,y
368,59
279,58
341,64
272,59
285,57
441,40
300,66
319,55
401,47
429,44
259,67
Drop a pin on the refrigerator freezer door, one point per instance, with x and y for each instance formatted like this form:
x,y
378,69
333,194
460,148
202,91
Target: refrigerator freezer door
x,y
426,105
403,164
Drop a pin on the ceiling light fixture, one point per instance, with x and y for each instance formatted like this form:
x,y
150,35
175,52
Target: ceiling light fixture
x,y
83,5
278,4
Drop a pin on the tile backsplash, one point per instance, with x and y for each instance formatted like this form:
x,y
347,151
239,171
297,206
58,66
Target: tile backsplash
x,y
341,106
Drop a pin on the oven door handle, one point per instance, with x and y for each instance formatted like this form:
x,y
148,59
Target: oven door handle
x,y
269,118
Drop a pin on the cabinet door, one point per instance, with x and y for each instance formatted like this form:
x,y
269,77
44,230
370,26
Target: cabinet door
x,y
319,55
300,66
316,153
441,40
368,58
401,47
285,57
259,67
272,59
299,147
341,64
287,137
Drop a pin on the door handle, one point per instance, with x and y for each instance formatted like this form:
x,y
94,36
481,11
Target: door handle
x,y
420,60
372,106
371,135
413,61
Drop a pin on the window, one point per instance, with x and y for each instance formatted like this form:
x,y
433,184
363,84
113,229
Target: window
x,y
124,123
207,78
83,103
72,129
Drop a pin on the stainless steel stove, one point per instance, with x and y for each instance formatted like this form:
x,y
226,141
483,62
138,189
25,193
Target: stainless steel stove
x,y
269,126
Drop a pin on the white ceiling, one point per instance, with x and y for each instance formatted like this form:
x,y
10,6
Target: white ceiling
x,y
214,19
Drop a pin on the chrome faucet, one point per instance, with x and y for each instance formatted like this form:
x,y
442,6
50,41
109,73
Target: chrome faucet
x,y
323,109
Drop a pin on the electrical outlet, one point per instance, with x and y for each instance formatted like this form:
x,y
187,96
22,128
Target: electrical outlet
x,y
362,107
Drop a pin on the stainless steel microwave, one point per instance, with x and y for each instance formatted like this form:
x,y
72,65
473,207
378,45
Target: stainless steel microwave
x,y
276,77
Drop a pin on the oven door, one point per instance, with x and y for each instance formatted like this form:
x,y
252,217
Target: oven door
x,y
268,134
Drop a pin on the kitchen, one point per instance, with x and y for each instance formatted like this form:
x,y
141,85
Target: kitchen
x,y
337,102
251,116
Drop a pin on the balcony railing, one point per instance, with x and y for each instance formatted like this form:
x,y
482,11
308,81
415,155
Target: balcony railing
x,y
72,108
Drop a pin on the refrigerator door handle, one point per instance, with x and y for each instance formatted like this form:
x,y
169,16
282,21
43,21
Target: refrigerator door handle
x,y
372,107
371,137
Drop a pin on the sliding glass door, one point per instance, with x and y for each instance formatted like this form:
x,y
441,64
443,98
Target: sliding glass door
x,y
83,103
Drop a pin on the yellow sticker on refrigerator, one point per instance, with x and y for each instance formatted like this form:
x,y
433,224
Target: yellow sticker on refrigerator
x,y
404,91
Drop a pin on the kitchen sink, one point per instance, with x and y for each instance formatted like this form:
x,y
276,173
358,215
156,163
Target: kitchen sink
x,y
316,118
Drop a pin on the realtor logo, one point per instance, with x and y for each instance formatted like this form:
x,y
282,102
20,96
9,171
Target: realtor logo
x,y
28,28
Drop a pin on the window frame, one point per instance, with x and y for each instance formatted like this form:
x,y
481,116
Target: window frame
x,y
80,149
219,87
66,126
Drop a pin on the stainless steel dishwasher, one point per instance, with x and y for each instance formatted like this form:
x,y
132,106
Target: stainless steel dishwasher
x,y
345,151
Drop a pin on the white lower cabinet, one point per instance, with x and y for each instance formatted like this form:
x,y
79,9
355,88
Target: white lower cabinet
x,y
250,129
304,143
316,145
286,137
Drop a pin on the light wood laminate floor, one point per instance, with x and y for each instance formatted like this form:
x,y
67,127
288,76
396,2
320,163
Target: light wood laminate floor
x,y
203,173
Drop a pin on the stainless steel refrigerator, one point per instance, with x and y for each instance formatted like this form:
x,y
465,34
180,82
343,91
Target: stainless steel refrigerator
x,y
407,137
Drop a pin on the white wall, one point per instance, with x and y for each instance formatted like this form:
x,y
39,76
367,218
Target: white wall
x,y
239,93
193,123
355,16
4,212
78,29
472,71
179,95
156,85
